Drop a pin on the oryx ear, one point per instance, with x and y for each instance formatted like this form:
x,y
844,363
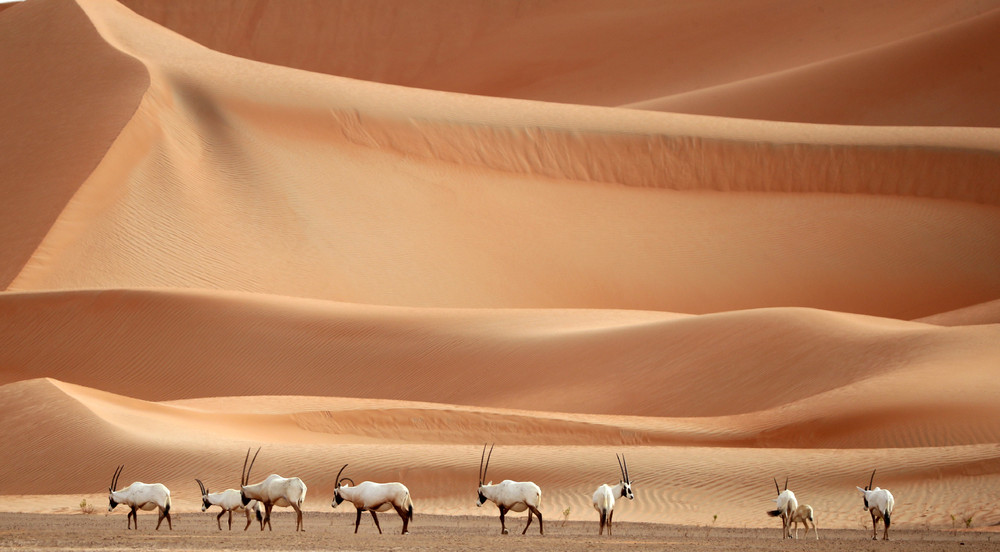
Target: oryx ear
x,y
490,483
860,489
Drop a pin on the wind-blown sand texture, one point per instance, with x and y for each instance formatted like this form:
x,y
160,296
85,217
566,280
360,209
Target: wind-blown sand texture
x,y
384,233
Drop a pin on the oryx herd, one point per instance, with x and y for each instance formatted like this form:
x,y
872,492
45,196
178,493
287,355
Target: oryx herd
x,y
509,496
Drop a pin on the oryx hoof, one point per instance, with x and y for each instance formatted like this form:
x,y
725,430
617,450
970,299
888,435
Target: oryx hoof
x,y
504,532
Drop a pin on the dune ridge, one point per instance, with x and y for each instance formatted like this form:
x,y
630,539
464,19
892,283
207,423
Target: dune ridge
x,y
282,160
601,53
228,240
676,483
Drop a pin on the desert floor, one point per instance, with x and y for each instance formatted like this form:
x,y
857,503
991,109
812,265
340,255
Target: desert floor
x,y
737,245
332,531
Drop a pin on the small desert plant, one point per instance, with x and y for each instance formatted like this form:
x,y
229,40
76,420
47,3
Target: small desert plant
x,y
714,519
86,508
968,522
565,515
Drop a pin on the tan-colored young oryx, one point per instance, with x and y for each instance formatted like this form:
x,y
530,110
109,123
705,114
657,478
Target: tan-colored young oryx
x,y
879,503
273,491
140,496
804,515
786,506
229,500
374,497
604,497
510,496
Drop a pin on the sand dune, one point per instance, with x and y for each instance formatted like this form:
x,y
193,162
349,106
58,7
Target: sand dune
x,y
220,235
616,53
178,441
903,82
161,345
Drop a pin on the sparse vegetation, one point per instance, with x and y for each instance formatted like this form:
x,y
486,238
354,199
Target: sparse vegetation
x,y
565,516
715,518
87,508
968,522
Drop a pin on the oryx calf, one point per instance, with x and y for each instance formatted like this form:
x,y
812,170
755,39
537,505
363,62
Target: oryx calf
x,y
229,500
879,503
804,514
374,497
140,496
510,496
787,504
273,491
604,497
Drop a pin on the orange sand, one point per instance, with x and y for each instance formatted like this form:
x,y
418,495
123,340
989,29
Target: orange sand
x,y
726,250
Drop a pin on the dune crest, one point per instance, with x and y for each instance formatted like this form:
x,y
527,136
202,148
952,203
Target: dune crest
x,y
219,235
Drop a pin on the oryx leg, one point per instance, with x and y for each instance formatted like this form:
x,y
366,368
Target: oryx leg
x,y
604,516
230,520
541,528
375,517
299,525
131,516
526,525
874,524
611,516
402,514
503,522
218,519
357,521
249,518
267,517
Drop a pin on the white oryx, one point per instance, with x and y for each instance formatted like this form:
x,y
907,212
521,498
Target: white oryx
x,y
513,496
787,505
140,496
804,515
879,503
604,497
229,500
273,491
374,497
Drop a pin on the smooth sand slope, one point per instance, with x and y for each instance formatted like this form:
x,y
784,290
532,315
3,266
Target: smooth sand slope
x,y
847,62
245,254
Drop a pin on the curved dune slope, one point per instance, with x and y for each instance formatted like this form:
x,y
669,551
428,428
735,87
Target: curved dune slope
x,y
237,175
174,442
617,53
264,240
58,120
916,81
174,344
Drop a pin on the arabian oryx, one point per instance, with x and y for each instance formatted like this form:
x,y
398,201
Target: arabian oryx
x,y
374,497
513,496
604,497
273,491
229,500
879,503
804,515
140,496
787,505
